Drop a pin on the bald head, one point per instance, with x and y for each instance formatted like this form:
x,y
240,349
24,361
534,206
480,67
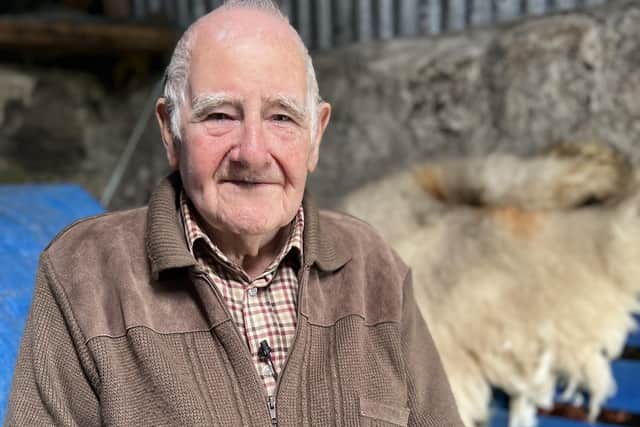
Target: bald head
x,y
231,24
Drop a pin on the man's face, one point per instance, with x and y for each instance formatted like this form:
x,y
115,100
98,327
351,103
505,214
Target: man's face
x,y
246,146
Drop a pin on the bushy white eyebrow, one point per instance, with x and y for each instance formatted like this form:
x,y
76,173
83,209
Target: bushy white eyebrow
x,y
204,103
297,110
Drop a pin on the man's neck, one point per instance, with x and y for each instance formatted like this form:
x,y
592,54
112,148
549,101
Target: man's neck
x,y
252,253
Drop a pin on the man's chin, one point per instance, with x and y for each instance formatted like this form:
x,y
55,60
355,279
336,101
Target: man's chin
x,y
251,216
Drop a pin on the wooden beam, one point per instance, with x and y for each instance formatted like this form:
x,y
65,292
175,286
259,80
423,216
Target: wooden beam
x,y
84,36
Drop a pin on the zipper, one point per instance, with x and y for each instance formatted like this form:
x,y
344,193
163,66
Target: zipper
x,y
271,400
302,280
271,406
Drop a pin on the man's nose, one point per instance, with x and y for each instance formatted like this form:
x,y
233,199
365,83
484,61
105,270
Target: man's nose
x,y
251,147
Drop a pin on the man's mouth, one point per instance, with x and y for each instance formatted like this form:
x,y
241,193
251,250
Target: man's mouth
x,y
245,183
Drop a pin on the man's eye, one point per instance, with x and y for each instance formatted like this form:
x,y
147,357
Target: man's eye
x,y
281,118
218,116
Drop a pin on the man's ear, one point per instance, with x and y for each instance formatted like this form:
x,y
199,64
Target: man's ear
x,y
164,122
324,114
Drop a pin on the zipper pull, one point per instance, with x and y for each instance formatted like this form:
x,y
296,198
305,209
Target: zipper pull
x,y
271,405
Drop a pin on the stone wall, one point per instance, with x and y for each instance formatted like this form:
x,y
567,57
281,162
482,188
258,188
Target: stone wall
x,y
514,88
66,126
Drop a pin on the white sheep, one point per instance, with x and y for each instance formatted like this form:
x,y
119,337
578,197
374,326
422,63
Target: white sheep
x,y
524,268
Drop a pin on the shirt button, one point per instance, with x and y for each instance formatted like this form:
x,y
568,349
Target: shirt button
x,y
266,371
253,292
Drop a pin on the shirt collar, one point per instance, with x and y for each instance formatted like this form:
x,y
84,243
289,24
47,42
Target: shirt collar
x,y
197,238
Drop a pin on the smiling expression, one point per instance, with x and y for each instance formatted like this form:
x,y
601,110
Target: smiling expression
x,y
246,145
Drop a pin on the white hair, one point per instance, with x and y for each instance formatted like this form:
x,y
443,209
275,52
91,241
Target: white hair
x,y
177,73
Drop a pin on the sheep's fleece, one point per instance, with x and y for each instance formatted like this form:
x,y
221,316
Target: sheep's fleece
x,y
525,269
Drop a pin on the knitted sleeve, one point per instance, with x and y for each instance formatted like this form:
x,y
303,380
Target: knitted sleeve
x,y
51,384
431,402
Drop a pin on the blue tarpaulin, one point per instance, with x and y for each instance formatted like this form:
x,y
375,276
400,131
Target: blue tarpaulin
x,y
30,216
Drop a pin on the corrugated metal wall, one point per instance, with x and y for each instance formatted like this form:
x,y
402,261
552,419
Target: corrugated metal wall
x,y
327,23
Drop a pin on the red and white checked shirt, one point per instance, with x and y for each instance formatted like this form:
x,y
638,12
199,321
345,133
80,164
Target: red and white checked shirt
x,y
263,308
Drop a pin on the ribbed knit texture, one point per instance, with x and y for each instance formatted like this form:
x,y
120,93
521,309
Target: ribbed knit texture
x,y
57,372
166,245
187,379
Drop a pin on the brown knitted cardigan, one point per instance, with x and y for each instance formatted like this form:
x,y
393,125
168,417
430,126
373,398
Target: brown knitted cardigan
x,y
125,330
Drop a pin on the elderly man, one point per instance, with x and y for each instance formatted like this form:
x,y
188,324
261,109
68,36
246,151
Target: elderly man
x,y
230,299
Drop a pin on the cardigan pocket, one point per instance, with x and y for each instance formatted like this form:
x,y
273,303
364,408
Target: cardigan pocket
x,y
376,414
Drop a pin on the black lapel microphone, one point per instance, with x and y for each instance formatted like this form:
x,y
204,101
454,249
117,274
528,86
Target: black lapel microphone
x,y
264,353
